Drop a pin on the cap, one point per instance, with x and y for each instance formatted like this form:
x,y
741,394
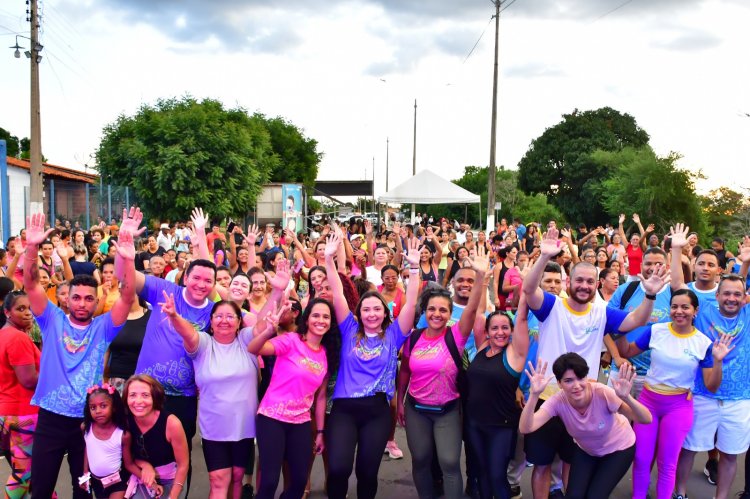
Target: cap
x,y
164,226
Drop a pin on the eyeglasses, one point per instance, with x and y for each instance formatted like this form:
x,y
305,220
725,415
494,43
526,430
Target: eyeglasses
x,y
227,317
142,446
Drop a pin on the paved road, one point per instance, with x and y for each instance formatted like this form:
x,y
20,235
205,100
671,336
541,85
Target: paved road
x,y
396,482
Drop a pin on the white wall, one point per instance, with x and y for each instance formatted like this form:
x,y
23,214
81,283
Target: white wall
x,y
19,181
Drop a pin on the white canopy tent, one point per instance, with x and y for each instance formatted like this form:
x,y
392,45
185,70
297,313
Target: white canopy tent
x,y
428,188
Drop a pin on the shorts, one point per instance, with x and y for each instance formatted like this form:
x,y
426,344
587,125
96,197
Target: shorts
x,y
221,455
728,421
552,438
101,492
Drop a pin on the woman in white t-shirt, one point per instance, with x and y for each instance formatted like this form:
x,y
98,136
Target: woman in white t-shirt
x,y
678,350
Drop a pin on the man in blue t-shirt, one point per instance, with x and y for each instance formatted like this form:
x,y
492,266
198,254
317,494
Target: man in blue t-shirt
x,y
721,419
72,360
653,258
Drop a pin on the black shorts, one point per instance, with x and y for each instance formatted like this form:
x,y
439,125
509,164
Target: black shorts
x,y
221,455
100,492
542,445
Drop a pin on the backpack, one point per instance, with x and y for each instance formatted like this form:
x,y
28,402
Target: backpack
x,y
461,379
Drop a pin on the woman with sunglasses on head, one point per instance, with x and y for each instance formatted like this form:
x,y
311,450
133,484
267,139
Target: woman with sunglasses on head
x,y
431,412
360,418
491,408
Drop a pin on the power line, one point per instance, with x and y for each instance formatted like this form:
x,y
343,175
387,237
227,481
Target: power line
x,y
509,4
478,40
610,11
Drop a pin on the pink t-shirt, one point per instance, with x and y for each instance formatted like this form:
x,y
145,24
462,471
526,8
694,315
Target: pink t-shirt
x,y
297,375
433,371
599,431
512,277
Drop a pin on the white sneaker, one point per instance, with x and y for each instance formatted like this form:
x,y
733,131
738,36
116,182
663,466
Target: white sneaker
x,y
391,448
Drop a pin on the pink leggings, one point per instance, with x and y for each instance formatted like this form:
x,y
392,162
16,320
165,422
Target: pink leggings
x,y
663,438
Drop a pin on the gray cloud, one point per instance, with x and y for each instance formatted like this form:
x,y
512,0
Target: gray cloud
x,y
533,70
689,41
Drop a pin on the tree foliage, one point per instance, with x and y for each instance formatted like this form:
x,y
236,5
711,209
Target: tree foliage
x,y
297,156
643,183
723,207
558,163
17,147
182,153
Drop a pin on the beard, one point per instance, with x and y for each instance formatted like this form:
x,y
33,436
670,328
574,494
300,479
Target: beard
x,y
574,297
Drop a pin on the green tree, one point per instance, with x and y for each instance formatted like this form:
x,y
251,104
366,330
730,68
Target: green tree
x,y
722,207
11,141
182,153
558,163
298,156
643,183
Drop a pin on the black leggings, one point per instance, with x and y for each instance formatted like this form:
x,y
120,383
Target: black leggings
x,y
279,441
596,477
747,471
363,424
493,448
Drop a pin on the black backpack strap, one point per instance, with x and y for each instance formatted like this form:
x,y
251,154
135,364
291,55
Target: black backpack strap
x,y
450,342
628,293
414,337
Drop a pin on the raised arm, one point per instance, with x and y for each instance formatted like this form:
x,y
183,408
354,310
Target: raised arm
x,y
340,251
678,235
64,254
232,251
519,347
549,248
652,286
620,228
131,222
190,338
252,236
398,258
35,235
198,238
644,239
712,376
744,256
466,323
637,220
340,305
406,316
630,407
531,421
438,253
309,260
568,240
125,269
370,240
264,331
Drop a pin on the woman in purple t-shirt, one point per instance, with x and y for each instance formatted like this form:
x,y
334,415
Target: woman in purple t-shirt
x,y
360,418
595,415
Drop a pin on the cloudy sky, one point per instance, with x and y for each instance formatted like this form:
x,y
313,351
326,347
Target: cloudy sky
x,y
348,72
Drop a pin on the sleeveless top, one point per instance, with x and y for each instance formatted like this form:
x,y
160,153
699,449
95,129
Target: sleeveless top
x,y
105,456
152,446
394,306
492,391
428,276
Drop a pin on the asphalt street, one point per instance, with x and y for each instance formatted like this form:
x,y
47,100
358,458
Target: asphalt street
x,y
396,481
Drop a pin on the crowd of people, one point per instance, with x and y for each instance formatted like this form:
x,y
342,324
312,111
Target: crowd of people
x,y
118,346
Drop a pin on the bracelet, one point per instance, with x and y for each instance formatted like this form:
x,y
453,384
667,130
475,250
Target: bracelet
x,y
650,297
413,271
320,432
180,484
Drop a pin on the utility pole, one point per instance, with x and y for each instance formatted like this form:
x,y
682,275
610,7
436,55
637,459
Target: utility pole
x,y
37,189
493,133
414,158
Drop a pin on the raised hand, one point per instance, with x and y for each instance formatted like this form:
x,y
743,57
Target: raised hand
x,y
621,219
650,228
636,218
412,253
200,220
332,245
480,264
624,382
368,227
428,233
124,245
252,234
722,346
537,377
550,244
35,233
131,221
659,278
678,235
281,278
63,251
167,306
745,249
565,233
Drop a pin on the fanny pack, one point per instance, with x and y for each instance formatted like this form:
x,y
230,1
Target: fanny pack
x,y
432,409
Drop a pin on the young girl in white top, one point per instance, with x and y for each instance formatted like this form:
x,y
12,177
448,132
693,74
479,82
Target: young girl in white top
x,y
678,350
104,431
